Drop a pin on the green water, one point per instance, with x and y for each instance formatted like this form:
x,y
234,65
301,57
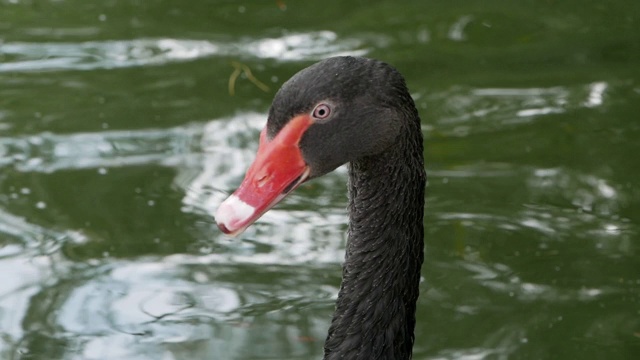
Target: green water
x,y
119,138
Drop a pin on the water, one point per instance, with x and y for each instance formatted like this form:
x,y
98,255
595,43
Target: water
x,y
119,138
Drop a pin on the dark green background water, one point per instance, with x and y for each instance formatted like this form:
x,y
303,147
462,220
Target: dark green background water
x,y
119,138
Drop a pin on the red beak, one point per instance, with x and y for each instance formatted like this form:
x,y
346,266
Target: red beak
x,y
277,170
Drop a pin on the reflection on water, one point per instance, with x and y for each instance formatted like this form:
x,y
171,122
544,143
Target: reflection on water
x,y
94,55
108,249
199,303
489,109
183,305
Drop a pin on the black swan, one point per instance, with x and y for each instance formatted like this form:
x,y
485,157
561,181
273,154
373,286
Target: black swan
x,y
357,111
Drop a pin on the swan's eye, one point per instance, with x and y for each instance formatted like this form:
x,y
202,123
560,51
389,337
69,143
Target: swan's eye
x,y
322,111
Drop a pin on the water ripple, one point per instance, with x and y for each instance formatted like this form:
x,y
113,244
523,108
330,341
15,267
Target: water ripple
x,y
210,160
461,111
142,309
91,55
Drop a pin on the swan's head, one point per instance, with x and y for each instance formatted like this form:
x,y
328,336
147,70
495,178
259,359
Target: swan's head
x,y
328,114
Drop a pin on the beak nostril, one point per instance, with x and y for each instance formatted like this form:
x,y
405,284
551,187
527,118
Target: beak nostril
x,y
262,179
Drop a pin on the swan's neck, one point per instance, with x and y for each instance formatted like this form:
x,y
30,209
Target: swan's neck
x,y
375,311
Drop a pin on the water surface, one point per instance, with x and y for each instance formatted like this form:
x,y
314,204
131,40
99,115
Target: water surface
x,y
119,138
